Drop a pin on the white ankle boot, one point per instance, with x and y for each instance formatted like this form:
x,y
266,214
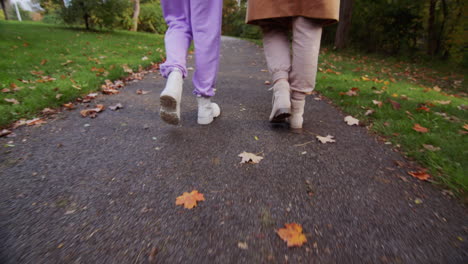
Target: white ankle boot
x,y
281,108
297,111
207,110
170,98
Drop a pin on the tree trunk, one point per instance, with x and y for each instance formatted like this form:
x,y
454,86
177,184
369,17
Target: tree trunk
x,y
86,19
136,13
5,13
344,26
431,30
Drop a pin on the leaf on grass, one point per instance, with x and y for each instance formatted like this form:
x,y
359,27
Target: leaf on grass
x,y
369,112
351,121
431,147
189,200
44,61
11,100
378,103
465,126
35,121
5,132
58,96
395,104
442,102
6,90
423,108
421,174
116,107
327,139
92,112
419,128
48,111
292,235
127,69
142,92
249,158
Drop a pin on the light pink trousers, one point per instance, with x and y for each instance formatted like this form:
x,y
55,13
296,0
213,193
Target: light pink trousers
x,y
306,34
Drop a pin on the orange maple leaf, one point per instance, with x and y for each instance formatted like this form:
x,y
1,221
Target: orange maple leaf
x,y
422,174
419,128
189,200
292,235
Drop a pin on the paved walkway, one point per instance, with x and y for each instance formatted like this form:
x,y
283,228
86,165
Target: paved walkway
x,y
103,190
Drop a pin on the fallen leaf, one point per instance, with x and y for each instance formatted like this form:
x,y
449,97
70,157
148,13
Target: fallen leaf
x,y
69,105
142,92
127,69
152,255
292,235
116,107
327,139
189,200
67,62
48,111
431,147
5,132
422,174
92,112
58,96
465,126
44,61
267,82
369,112
423,108
378,103
144,58
395,105
418,201
442,102
437,88
35,121
249,157
242,245
6,90
11,100
351,121
420,128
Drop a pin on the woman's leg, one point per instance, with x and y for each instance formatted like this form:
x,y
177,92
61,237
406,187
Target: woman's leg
x,y
306,47
276,46
177,41
178,35
206,27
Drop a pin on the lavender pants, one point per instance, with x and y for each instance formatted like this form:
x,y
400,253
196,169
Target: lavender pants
x,y
200,21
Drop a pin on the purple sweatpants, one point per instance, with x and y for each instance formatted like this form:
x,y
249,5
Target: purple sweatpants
x,y
200,21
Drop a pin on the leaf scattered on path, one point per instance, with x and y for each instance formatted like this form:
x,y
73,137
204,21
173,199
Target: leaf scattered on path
x,y
419,128
142,92
35,121
5,132
327,139
93,111
69,105
421,174
242,245
249,157
48,111
116,107
189,200
292,235
351,121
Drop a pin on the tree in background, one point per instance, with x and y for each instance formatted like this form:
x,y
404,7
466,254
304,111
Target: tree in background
x,y
4,8
344,26
136,13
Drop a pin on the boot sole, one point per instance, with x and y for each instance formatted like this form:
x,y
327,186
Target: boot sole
x,y
281,115
168,111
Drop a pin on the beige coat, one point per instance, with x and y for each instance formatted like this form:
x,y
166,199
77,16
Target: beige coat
x,y
325,10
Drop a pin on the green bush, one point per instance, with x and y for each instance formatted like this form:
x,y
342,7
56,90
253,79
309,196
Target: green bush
x,y
23,13
151,18
53,18
234,21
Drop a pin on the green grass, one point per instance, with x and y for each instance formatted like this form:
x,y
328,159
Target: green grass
x,y
407,84
25,45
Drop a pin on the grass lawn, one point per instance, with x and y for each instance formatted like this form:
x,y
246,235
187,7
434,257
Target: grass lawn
x,y
410,94
46,65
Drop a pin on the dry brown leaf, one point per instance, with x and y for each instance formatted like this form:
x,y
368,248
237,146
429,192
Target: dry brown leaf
x,y
421,174
6,90
327,139
378,103
35,121
395,104
48,111
189,200
69,105
93,111
369,112
442,102
351,121
142,92
423,108
44,61
431,147
249,157
127,69
116,107
465,126
5,132
292,235
11,100
419,128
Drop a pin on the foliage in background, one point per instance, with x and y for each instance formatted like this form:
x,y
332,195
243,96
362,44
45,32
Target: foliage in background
x,y
234,21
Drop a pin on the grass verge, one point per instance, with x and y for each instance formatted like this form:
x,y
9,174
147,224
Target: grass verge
x,y
47,65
